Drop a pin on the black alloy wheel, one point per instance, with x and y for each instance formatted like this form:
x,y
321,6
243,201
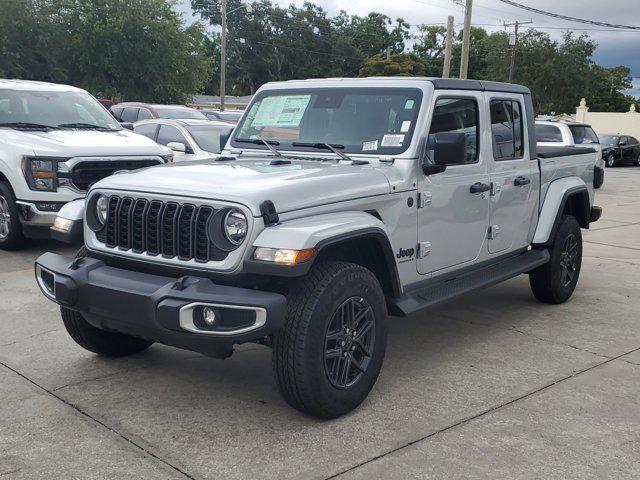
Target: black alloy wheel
x,y
349,341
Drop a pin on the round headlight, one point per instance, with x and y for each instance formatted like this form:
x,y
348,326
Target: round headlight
x,y
102,205
235,226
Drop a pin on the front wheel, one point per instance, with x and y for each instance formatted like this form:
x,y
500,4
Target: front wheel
x,y
329,353
11,237
611,161
555,281
638,161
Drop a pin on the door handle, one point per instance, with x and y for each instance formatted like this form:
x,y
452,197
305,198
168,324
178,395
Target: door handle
x,y
521,181
479,187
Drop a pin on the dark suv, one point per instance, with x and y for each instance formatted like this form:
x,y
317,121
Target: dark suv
x,y
620,150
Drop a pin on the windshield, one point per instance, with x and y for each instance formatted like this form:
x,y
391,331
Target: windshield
x,y
180,113
53,109
355,120
609,139
210,138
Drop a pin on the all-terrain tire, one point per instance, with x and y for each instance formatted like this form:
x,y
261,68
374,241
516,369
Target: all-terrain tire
x,y
555,281
99,341
305,364
11,236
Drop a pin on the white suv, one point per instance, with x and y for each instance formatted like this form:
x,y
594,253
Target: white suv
x,y
56,141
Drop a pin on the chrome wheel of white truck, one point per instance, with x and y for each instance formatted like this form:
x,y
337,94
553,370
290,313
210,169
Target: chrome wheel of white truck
x,y
11,237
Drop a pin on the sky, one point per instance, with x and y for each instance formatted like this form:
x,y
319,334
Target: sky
x,y
615,47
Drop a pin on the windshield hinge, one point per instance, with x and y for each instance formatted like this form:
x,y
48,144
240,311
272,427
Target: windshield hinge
x,y
424,249
496,188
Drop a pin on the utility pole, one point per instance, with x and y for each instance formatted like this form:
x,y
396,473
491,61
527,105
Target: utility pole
x,y
223,54
513,41
446,69
466,34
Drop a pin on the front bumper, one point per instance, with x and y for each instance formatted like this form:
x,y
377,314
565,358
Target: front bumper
x,y
158,308
38,214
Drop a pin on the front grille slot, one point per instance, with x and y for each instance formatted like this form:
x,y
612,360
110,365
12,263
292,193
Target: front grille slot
x,y
154,227
87,172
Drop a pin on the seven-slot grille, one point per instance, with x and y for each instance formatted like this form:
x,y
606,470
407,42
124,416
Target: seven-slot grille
x,y
88,172
162,228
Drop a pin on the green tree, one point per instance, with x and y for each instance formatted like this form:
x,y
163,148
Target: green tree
x,y
399,64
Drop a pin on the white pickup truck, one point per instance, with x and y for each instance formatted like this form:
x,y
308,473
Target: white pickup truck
x,y
55,142
336,204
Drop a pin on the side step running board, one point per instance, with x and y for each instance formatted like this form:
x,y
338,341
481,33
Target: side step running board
x,y
437,291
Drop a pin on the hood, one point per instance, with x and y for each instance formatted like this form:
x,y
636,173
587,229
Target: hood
x,y
290,186
76,143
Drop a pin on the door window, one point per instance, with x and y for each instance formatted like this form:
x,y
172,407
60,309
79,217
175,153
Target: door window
x,y
506,129
456,115
147,129
548,133
129,114
168,134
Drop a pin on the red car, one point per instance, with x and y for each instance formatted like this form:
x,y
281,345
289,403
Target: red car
x,y
130,112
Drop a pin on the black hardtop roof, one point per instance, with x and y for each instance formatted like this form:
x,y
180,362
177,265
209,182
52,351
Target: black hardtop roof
x,y
483,85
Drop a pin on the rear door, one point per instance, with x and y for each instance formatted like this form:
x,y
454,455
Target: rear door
x,y
452,220
512,174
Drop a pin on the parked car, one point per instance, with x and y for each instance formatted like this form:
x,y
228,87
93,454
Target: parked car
x,y
306,245
56,141
620,150
551,133
189,139
228,116
131,112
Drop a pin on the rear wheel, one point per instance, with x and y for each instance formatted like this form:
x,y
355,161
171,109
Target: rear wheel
x,y
11,237
98,341
555,281
329,353
638,161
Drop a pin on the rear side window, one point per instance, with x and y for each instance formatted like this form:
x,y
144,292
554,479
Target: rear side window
x,y
147,129
548,133
144,114
456,115
129,114
506,129
582,134
632,140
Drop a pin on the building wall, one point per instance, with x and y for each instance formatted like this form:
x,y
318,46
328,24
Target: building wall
x,y
624,123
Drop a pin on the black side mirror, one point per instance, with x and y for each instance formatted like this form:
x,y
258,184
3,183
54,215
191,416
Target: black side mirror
x,y
450,148
127,125
622,143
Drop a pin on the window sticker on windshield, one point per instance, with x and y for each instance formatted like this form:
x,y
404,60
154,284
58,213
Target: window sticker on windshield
x,y
392,140
368,146
409,104
281,111
406,125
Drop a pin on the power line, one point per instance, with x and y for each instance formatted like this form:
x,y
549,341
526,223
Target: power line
x,y
565,17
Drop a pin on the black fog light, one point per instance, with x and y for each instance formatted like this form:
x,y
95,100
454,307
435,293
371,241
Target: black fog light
x,y
221,319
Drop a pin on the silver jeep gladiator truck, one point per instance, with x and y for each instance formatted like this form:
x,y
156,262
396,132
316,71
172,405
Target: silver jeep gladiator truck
x,y
336,204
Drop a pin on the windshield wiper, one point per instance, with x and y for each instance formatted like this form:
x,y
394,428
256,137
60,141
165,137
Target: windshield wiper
x,y
27,125
261,141
324,146
83,125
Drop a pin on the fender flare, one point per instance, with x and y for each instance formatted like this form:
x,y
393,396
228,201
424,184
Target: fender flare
x,y
555,201
322,232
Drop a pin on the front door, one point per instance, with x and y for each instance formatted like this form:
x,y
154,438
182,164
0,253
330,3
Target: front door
x,y
513,175
453,216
